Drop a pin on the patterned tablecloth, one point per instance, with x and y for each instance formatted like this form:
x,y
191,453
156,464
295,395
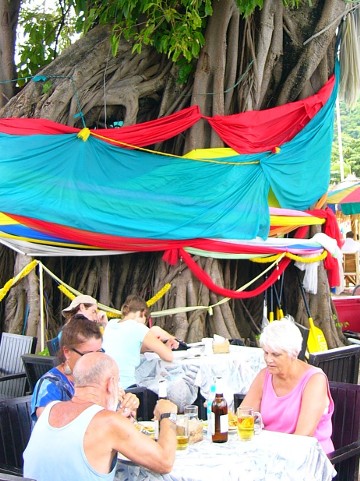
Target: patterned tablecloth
x,y
268,457
191,370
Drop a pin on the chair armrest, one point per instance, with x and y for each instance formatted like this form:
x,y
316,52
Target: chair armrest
x,y
345,452
9,377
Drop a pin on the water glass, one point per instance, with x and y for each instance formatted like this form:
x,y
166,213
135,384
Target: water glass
x,y
191,411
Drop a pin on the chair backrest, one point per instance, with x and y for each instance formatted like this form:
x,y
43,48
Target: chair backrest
x,y
340,364
147,400
12,346
346,426
35,366
13,380
351,268
53,345
15,430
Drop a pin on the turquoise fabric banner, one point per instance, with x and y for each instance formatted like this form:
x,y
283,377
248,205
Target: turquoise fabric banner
x,y
96,186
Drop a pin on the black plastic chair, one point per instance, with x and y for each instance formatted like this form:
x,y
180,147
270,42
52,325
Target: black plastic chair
x,y
305,335
13,382
53,346
346,430
340,364
238,399
147,399
15,430
35,366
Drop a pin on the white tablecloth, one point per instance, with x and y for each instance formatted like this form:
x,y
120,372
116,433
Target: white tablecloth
x,y
237,368
268,457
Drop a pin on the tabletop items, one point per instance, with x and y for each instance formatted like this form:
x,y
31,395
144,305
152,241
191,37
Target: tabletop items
x,y
268,456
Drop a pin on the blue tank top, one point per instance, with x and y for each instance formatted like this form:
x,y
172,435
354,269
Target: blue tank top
x,y
57,454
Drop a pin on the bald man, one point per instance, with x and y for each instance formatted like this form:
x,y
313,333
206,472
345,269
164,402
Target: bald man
x,y
80,438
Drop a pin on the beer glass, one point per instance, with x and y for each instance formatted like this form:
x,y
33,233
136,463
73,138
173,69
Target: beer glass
x,y
247,417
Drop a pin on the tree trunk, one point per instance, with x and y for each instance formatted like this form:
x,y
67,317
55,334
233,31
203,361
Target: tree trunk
x,y
9,14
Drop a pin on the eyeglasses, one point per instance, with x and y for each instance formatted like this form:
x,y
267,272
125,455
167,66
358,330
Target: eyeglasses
x,y
86,352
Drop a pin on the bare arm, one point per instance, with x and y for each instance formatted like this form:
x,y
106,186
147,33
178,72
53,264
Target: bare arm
x,y
153,344
164,336
254,395
314,402
113,433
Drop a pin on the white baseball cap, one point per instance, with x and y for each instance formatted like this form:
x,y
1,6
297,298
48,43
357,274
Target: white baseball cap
x,y
82,299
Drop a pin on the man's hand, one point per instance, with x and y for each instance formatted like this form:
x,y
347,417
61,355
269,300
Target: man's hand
x,y
129,403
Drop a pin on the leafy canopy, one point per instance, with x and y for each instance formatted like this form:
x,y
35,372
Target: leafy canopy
x,y
173,27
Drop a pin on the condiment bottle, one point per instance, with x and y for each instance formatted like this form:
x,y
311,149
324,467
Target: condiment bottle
x,y
219,415
209,410
162,394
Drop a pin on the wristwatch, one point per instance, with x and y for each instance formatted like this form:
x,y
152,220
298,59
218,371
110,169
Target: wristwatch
x,y
171,416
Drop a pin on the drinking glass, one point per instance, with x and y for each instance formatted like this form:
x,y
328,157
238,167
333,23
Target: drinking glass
x,y
182,432
191,411
246,422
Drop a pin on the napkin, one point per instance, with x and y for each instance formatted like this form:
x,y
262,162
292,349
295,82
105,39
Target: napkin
x,y
220,345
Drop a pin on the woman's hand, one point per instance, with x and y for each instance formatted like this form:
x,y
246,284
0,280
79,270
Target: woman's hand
x,y
102,318
172,343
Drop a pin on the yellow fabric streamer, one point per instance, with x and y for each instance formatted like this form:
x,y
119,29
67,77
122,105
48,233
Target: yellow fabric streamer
x,y
66,291
158,295
11,282
84,134
308,260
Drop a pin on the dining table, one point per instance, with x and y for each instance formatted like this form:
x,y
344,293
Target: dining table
x,y
237,368
269,456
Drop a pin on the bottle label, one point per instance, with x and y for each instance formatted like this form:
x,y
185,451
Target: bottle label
x,y
224,423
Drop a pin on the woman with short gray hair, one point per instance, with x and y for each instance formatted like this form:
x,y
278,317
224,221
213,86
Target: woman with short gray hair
x,y
292,396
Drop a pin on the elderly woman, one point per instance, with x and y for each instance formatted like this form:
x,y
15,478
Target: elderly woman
x,y
79,337
292,396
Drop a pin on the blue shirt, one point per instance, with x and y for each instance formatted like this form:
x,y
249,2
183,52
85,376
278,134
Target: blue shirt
x,y
52,386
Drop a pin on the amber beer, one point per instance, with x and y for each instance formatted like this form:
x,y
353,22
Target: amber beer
x,y
246,417
245,427
182,433
219,415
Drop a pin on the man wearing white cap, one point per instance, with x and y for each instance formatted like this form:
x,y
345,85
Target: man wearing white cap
x,y
87,306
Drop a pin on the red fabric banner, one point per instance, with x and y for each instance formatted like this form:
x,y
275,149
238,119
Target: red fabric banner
x,y
247,132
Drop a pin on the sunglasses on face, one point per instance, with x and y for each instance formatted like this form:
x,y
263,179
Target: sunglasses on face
x,y
86,352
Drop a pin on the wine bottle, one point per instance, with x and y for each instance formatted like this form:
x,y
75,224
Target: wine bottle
x,y
219,415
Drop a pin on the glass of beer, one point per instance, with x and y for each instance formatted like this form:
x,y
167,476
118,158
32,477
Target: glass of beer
x,y
246,419
182,432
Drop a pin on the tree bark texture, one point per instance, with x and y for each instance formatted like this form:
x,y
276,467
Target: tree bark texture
x,y
9,14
